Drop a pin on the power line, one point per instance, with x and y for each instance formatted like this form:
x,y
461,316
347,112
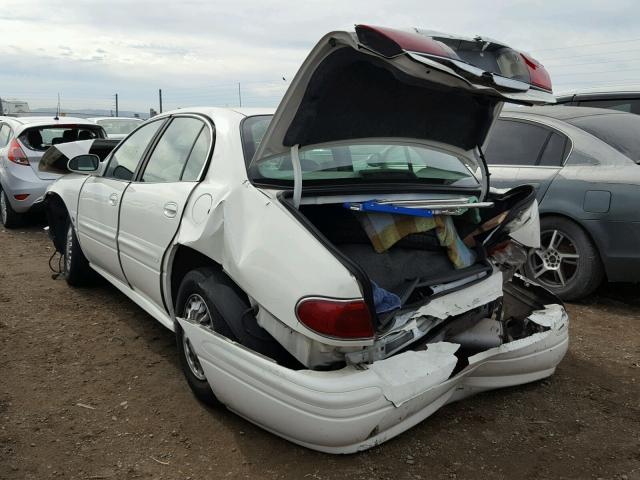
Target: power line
x,y
593,54
595,63
595,73
587,45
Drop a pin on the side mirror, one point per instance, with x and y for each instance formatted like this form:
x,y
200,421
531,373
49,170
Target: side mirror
x,y
84,164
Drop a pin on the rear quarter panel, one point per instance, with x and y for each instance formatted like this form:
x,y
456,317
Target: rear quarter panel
x,y
614,228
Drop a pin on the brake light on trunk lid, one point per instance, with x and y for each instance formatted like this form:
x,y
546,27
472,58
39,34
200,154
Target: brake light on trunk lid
x,y
16,154
390,42
538,75
348,319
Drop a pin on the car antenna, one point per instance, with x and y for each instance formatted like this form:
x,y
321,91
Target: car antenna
x,y
57,117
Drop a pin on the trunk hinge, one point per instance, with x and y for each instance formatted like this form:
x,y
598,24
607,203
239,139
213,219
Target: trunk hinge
x,y
297,176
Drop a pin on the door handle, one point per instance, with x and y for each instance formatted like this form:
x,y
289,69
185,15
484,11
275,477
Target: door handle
x,y
113,199
170,209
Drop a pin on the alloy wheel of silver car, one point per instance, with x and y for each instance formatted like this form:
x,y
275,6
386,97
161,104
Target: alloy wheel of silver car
x,y
556,263
196,311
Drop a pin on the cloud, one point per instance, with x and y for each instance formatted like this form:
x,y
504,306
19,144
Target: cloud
x,y
198,51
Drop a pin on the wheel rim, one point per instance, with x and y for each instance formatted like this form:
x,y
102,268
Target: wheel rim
x,y
68,250
195,311
555,264
3,207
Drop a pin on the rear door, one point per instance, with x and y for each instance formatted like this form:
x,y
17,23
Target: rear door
x,y
100,201
153,205
523,152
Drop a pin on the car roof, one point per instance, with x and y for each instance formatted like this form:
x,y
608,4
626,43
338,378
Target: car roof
x,y
95,119
600,94
218,111
562,112
40,120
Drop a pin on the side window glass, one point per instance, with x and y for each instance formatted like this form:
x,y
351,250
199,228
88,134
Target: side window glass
x,y
5,133
553,155
172,150
125,159
515,143
197,157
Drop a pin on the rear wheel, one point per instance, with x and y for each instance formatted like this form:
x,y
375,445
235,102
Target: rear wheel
x,y
567,263
9,217
208,297
76,267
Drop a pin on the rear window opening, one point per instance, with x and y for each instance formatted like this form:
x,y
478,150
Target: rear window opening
x,y
43,137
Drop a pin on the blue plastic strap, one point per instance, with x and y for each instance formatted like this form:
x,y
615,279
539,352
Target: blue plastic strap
x,y
373,206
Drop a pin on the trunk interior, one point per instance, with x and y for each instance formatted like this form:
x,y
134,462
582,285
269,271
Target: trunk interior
x,y
417,267
409,268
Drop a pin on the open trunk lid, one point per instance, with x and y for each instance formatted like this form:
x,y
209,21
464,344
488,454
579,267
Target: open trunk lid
x,y
378,83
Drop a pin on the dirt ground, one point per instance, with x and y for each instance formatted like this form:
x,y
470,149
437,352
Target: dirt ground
x,y
90,388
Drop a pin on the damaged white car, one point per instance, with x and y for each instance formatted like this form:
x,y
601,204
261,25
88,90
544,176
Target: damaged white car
x,y
338,271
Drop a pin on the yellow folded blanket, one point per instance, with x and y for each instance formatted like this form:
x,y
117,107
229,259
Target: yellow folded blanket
x,y
385,229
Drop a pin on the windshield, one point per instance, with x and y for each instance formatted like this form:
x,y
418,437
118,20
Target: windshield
x,y
355,162
113,126
618,130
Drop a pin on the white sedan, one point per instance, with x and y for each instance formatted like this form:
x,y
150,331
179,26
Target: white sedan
x,y
337,271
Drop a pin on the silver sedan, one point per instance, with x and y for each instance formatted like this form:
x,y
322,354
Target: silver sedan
x,y
584,164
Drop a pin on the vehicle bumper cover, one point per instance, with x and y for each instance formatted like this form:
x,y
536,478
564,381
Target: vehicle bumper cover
x,y
354,409
20,179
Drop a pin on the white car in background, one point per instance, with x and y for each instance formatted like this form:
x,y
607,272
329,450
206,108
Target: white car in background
x,y
312,262
117,128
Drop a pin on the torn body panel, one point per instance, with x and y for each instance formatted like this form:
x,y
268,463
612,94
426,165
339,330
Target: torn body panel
x,y
360,406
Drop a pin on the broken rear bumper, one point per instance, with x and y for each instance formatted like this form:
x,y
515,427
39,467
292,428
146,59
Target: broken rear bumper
x,y
353,409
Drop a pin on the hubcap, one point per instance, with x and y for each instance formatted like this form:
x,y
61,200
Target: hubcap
x,y
555,264
195,311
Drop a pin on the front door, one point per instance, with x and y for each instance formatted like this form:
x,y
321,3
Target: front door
x,y
100,201
153,205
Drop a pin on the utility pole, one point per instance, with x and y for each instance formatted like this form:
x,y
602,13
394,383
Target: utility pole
x,y
116,104
239,94
160,98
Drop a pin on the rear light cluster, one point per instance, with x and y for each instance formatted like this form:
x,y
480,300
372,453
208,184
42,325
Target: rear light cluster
x,y
345,319
538,75
16,154
390,42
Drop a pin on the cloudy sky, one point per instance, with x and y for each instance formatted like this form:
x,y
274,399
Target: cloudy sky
x,y
198,51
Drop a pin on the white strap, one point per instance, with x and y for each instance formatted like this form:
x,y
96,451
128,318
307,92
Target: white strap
x,y
297,176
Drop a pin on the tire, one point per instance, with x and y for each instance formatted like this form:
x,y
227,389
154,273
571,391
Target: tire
x,y
76,269
228,313
8,216
568,262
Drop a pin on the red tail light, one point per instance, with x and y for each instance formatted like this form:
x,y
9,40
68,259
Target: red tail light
x,y
390,42
21,196
346,319
538,75
16,154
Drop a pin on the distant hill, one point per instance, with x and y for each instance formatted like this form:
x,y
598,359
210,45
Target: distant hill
x,y
89,112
